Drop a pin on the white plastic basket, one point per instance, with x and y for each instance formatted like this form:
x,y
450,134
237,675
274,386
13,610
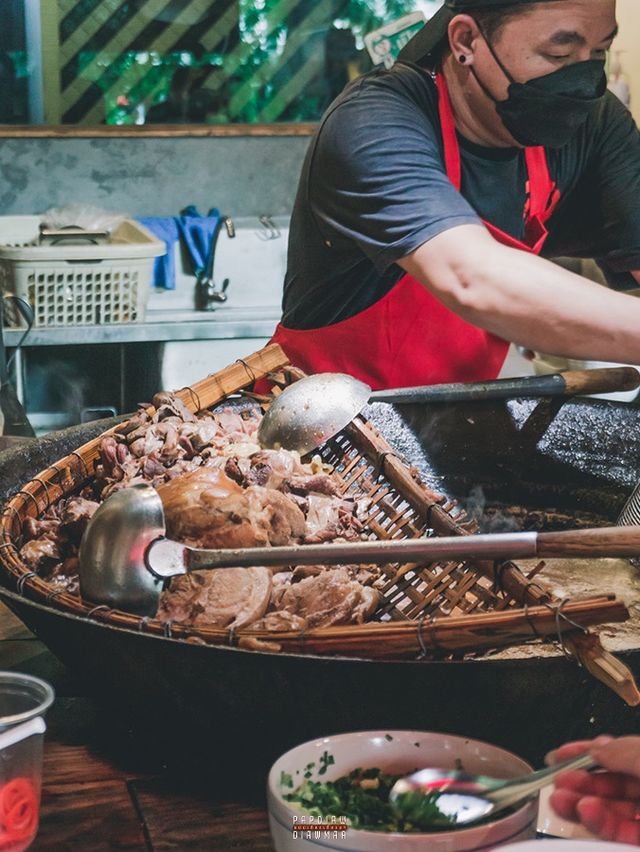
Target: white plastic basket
x,y
78,284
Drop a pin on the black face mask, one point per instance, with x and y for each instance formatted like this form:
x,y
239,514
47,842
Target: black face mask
x,y
550,110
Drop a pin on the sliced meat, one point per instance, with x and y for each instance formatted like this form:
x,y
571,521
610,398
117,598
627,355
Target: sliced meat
x,y
75,515
285,521
364,574
234,422
272,468
237,469
118,486
208,509
64,575
315,483
301,572
108,454
186,445
276,622
331,597
252,418
182,467
241,447
205,431
169,405
198,503
153,467
230,597
40,553
283,463
170,450
329,518
40,528
78,509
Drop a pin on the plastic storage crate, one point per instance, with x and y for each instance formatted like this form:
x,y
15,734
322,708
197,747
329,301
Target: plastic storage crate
x,y
78,283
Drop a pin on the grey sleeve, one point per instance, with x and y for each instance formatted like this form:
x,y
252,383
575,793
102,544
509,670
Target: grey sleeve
x,y
377,178
618,188
602,218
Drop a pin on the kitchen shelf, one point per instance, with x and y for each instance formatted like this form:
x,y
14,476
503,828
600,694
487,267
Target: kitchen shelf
x,y
156,330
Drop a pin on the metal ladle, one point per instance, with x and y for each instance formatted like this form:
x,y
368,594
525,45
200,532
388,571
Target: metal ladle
x,y
434,799
124,556
314,409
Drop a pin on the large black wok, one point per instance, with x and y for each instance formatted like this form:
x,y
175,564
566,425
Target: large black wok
x,y
581,459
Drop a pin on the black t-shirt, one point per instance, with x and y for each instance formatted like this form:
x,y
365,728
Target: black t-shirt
x,y
374,188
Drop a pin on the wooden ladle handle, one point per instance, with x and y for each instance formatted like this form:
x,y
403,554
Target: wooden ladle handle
x,y
599,543
606,380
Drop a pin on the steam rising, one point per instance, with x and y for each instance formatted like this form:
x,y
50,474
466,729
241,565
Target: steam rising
x,y
494,522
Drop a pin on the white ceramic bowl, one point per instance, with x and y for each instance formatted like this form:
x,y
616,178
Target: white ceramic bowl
x,y
394,752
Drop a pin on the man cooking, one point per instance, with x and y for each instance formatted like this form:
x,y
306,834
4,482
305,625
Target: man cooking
x,y
433,193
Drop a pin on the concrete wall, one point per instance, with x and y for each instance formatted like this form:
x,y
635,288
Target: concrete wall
x,y
627,42
244,176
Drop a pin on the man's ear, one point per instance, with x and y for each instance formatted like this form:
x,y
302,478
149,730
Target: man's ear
x,y
463,35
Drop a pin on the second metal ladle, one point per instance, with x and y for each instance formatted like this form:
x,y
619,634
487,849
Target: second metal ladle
x,y
314,409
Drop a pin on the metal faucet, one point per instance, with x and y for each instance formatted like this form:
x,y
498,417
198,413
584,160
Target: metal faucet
x,y
208,295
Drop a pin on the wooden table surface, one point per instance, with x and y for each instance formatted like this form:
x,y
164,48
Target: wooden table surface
x,y
98,795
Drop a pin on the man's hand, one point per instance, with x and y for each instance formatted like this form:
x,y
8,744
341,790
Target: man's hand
x,y
606,803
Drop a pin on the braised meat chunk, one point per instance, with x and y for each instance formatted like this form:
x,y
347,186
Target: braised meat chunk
x,y
230,597
330,597
56,535
40,553
207,509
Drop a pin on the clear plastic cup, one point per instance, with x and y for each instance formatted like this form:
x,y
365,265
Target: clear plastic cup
x,y
23,702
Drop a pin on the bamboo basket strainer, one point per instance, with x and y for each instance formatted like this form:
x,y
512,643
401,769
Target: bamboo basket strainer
x,y
428,610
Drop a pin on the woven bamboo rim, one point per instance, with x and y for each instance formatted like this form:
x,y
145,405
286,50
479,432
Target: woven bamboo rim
x,y
480,605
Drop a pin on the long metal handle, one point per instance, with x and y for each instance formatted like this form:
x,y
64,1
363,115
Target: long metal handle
x,y
606,380
519,789
505,546
167,558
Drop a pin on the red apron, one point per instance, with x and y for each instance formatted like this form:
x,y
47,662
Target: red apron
x,y
408,337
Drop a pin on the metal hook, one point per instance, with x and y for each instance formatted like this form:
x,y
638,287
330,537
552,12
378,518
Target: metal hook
x,y
270,229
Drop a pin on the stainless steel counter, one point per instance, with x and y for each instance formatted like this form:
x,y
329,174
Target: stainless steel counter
x,y
187,326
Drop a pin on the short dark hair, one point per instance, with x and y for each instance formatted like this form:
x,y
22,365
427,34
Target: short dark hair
x,y
492,20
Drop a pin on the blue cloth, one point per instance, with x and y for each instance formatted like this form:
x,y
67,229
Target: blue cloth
x,y
165,228
197,233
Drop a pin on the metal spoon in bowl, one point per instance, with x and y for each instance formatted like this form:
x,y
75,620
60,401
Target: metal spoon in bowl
x,y
312,410
124,556
437,799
